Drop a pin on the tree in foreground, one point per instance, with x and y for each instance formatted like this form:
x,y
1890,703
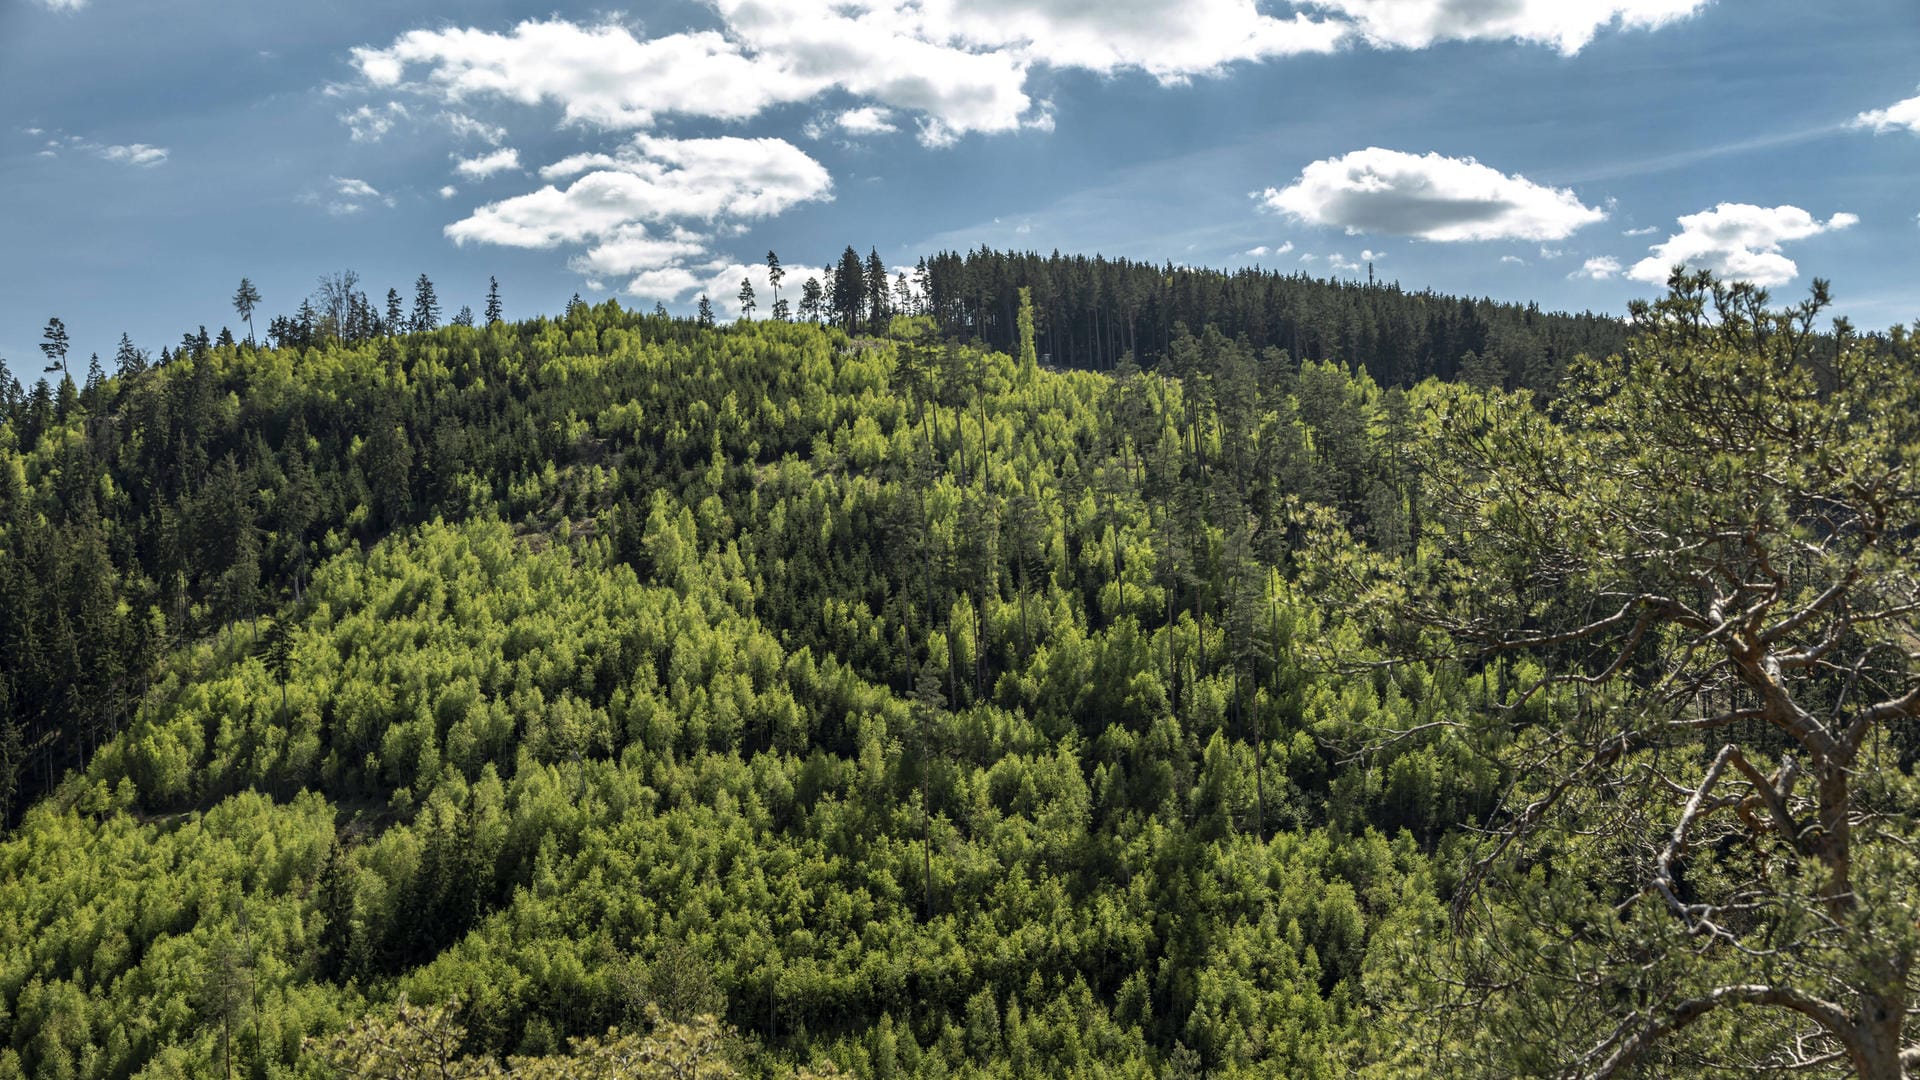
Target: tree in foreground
x,y
426,306
1696,588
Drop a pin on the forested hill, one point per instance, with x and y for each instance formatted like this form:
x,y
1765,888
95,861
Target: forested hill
x,y
1093,312
613,695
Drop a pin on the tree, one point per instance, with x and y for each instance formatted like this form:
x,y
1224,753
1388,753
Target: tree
x,y
774,275
849,290
704,314
426,306
877,294
244,300
493,300
463,317
810,299
746,298
53,342
395,320
1701,573
128,360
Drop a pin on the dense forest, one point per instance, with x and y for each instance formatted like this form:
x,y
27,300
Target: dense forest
x,y
1333,682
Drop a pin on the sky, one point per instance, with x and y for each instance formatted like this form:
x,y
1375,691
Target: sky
x,y
1560,151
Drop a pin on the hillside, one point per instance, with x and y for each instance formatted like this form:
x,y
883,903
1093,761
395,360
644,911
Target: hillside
x,y
906,706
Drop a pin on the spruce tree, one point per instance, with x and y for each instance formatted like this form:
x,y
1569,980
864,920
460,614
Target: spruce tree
x,y
746,298
426,306
245,299
493,300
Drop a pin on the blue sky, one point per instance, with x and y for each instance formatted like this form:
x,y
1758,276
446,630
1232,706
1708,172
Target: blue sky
x,y
1563,151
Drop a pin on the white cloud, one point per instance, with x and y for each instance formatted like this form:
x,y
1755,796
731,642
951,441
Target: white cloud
x,y
352,195
1513,260
486,165
137,154
1372,256
1601,268
1168,39
1427,196
368,124
630,209
1737,240
1309,257
723,288
1551,252
449,191
1567,25
1645,230
64,5
870,120
600,75
1258,250
467,127
1901,114
1342,263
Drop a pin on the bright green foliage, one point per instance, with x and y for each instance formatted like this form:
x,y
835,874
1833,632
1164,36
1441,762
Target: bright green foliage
x,y
802,699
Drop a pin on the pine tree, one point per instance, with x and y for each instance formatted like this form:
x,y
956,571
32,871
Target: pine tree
x,y
810,300
244,300
463,317
746,298
493,300
705,316
395,325
876,287
849,290
426,306
54,344
774,276
127,360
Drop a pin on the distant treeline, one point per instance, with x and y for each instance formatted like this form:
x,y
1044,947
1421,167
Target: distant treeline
x,y
1093,311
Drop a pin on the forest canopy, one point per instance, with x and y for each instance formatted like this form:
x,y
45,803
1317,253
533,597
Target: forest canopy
x,y
1054,667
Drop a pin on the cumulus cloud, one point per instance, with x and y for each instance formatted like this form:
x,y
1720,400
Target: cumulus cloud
x,y
1429,196
1567,25
137,154
1602,268
449,191
368,124
487,164
1899,115
1262,250
632,209
1737,240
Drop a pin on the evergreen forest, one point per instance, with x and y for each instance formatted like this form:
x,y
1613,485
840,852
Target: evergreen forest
x,y
1015,667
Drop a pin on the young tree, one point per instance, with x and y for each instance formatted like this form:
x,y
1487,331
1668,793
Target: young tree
x,y
426,306
493,300
1706,563
53,342
746,298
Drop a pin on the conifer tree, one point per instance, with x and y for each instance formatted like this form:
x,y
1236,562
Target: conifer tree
x,y
705,311
54,343
396,323
245,298
494,309
774,275
746,298
426,306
